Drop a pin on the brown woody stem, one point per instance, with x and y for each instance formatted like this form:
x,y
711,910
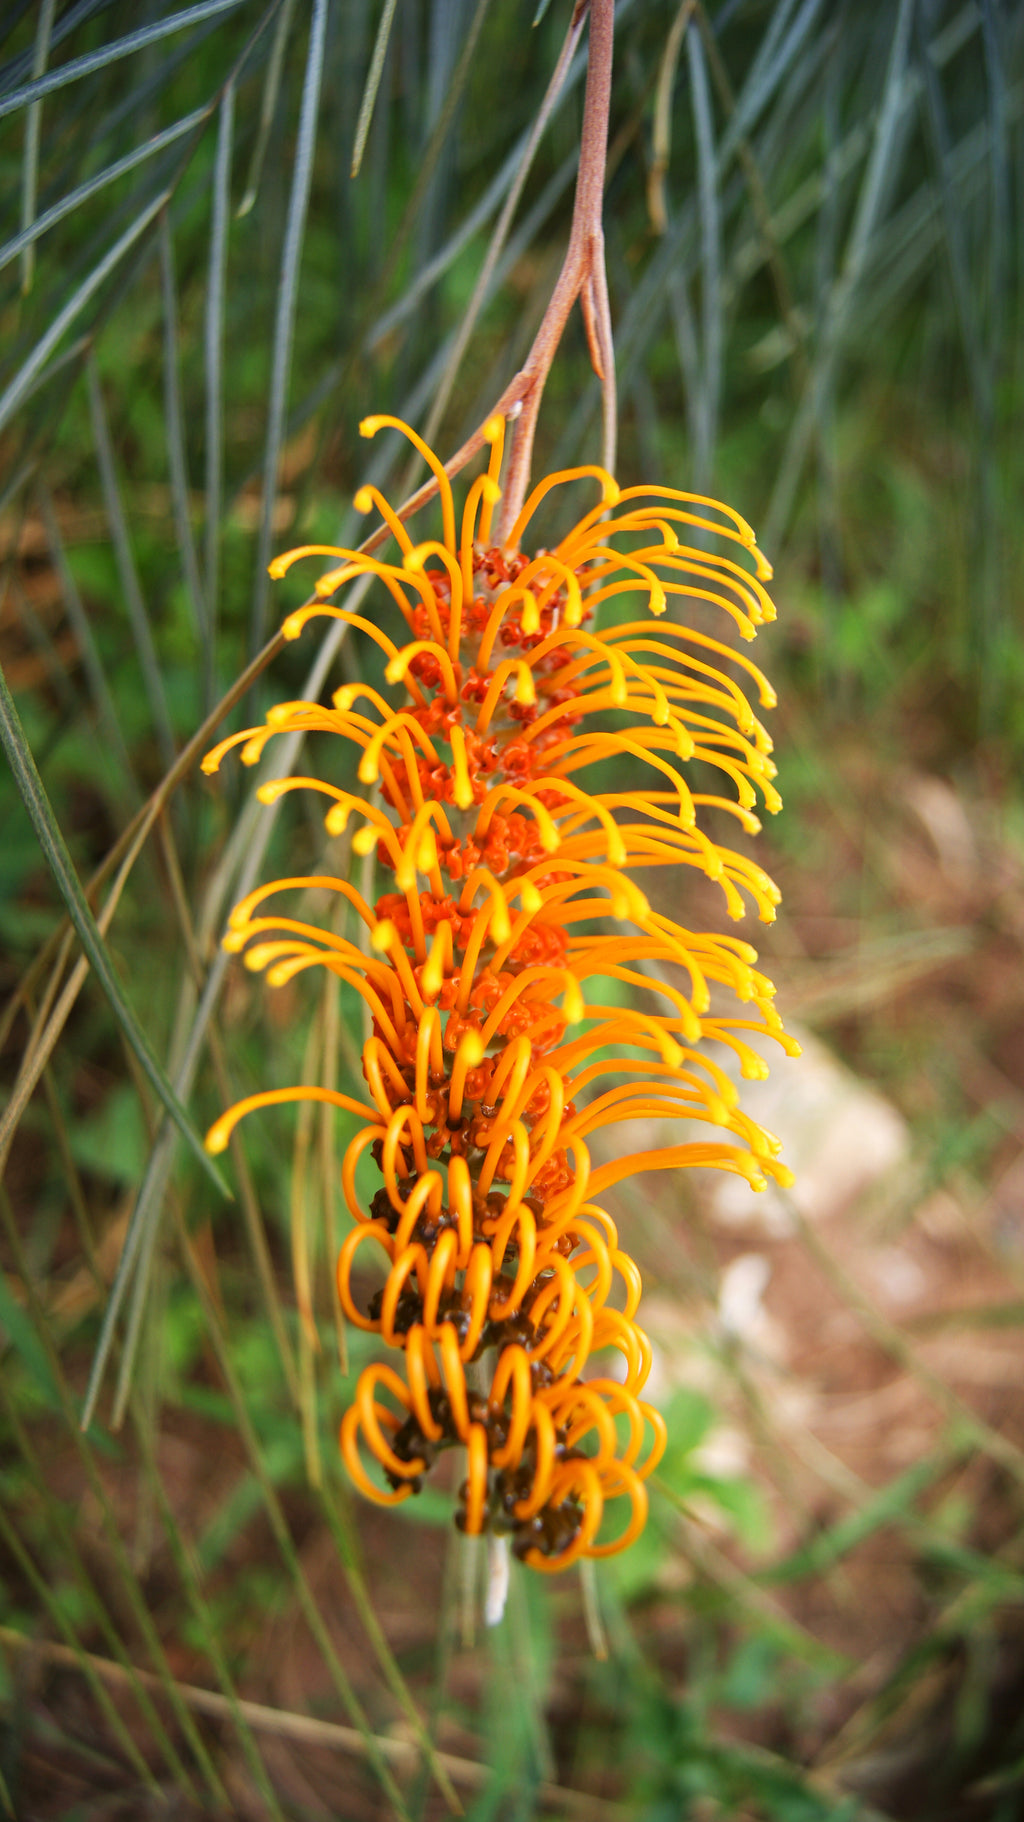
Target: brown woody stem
x,y
582,277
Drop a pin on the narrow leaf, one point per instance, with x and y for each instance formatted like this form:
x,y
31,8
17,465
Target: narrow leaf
x,y
213,346
33,129
52,842
268,105
711,272
110,173
23,382
111,53
284,327
92,663
366,106
176,444
149,664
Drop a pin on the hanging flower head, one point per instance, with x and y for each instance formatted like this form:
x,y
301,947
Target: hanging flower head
x,y
531,765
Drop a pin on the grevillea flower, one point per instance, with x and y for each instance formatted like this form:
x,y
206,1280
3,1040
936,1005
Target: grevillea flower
x,y
533,764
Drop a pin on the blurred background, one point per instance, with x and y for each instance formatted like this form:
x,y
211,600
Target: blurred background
x,y
231,230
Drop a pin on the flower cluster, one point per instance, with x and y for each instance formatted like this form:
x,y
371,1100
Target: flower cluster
x,y
507,1295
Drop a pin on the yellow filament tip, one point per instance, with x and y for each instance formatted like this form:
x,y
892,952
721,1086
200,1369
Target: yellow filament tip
x,y
572,1003
217,1138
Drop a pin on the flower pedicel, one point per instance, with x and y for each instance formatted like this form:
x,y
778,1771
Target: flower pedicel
x,y
491,1060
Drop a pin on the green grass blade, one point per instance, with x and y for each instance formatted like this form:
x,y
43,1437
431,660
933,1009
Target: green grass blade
x,y
138,615
711,260
21,386
284,325
92,663
252,835
33,794
75,198
62,1520
199,1607
37,1581
486,274
280,1529
112,53
769,67
268,105
128,1581
175,436
213,350
879,176
33,129
376,70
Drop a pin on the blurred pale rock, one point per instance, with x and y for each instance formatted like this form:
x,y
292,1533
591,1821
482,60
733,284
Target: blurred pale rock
x,y
839,1137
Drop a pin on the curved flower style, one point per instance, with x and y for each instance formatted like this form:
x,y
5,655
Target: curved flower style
x,y
488,1066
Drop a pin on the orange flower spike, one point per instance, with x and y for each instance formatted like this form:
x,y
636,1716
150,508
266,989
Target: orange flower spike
x,y
506,868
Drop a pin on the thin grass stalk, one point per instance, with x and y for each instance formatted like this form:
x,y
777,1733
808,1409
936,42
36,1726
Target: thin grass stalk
x,y
373,76
185,1566
56,669
775,56
144,1216
502,228
710,238
24,382
335,1512
61,865
526,1676
758,193
123,854
661,126
268,104
126,788
128,1580
255,1230
73,201
33,131
284,323
71,1179
879,176
138,614
40,1587
176,460
213,350
113,52
60,1517
997,1446
435,268
250,851
309,1731
363,332
277,1520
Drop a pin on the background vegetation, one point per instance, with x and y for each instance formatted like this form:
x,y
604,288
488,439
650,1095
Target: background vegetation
x,y
815,266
